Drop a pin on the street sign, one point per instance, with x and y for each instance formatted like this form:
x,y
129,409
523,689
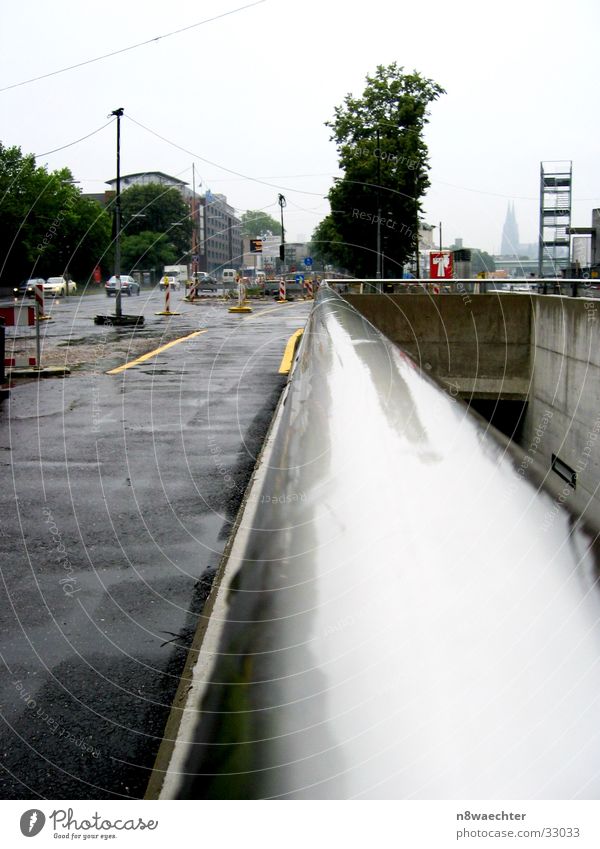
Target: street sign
x,y
440,265
299,278
256,246
308,260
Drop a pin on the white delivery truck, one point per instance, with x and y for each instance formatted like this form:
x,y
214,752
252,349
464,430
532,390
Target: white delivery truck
x,y
177,275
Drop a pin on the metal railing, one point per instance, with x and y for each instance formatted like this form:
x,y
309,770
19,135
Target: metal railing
x,y
572,287
405,612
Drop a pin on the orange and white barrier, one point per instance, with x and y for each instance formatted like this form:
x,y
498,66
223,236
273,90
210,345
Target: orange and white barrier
x,y
282,293
309,289
20,362
39,301
21,316
167,309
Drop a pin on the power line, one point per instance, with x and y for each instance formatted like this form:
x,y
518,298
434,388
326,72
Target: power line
x,y
70,144
132,46
216,164
295,176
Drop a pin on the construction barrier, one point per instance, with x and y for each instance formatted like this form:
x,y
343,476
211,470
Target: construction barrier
x,y
309,289
39,302
20,362
167,309
242,304
282,294
20,317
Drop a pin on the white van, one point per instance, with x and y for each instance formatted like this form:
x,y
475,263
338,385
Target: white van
x,y
228,276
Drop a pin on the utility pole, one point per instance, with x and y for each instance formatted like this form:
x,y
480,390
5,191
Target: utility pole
x,y
118,113
118,318
418,263
194,228
378,270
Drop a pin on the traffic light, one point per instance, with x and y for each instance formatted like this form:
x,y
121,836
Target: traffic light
x,y
282,253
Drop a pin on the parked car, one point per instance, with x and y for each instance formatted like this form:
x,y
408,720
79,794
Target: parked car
x,y
27,287
59,286
206,280
128,287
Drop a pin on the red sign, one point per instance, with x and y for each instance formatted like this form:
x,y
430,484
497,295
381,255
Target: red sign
x,y
440,265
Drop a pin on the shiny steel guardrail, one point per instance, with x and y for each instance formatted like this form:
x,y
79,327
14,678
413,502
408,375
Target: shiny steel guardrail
x,y
410,616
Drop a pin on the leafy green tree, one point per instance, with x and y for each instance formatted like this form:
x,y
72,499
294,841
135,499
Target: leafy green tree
x,y
326,245
82,240
481,261
147,250
255,222
382,152
155,209
46,227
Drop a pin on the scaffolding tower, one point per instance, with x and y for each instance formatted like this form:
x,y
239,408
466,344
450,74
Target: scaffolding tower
x,y
556,179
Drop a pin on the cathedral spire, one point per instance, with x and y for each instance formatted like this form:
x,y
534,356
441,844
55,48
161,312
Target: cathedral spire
x,y
510,233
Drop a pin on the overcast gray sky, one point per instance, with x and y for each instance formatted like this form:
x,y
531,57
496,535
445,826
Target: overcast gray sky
x,y
251,92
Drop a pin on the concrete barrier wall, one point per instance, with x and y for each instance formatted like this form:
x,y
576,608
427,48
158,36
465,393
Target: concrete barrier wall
x,y
544,349
563,416
400,631
478,345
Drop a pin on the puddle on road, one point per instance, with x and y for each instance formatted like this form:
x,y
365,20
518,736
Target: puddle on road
x,y
79,341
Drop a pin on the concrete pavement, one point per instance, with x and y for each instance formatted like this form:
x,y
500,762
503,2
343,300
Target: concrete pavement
x,y
119,491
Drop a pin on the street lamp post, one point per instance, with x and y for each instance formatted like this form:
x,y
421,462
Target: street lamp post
x,y
378,269
282,202
417,257
118,318
70,182
118,113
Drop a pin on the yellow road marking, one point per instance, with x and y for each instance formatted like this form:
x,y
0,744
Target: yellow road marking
x,y
286,362
264,312
156,351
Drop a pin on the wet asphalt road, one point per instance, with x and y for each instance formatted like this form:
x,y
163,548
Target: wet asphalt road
x,y
118,492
